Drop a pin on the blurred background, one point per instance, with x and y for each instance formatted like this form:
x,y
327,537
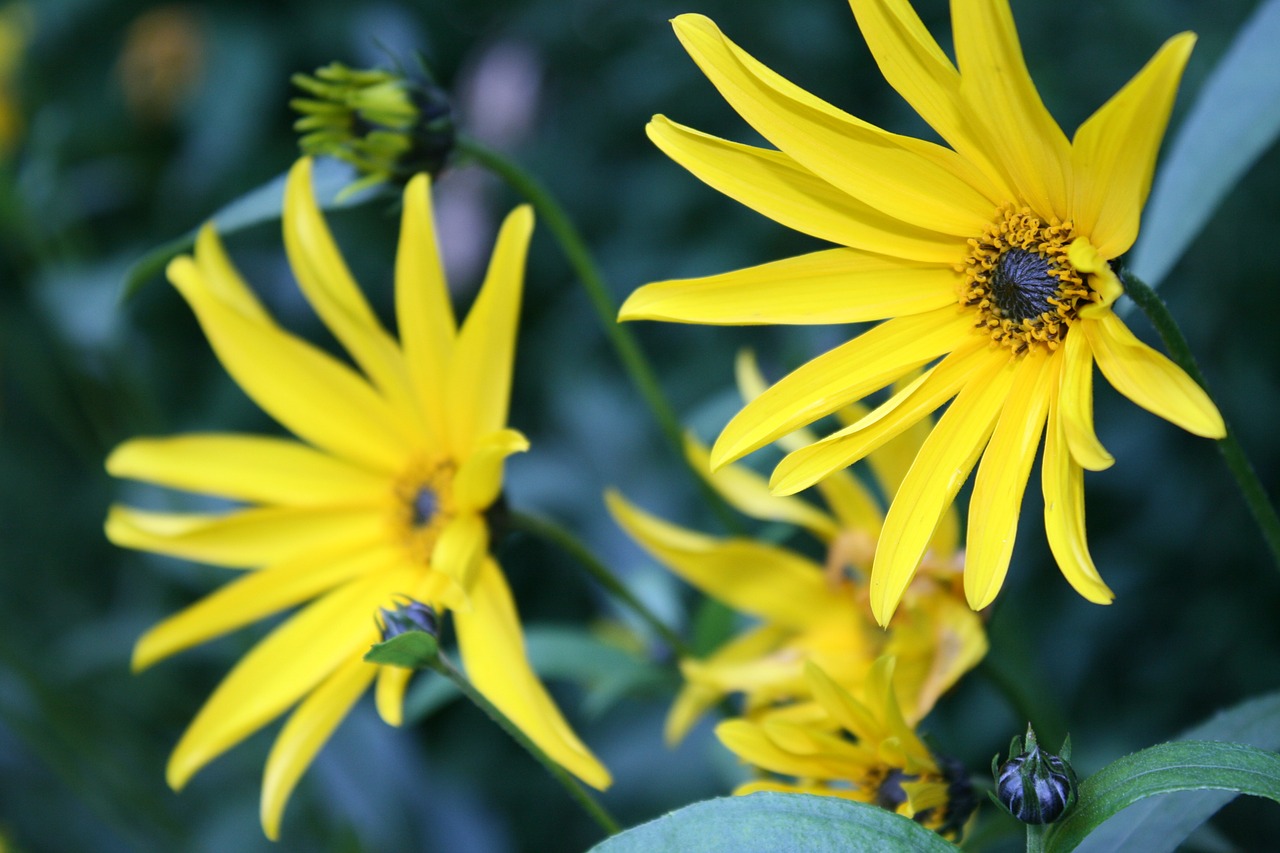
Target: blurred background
x,y
124,124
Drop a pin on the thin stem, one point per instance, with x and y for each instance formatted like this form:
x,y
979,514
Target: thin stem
x,y
1260,506
624,343
557,535
572,785
1035,837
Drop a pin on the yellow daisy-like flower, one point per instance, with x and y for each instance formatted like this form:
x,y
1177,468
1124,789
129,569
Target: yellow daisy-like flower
x,y
992,255
382,497
875,756
811,611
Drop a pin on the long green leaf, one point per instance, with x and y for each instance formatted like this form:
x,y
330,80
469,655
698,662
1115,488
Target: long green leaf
x,y
1160,824
1165,769
263,204
1236,117
769,822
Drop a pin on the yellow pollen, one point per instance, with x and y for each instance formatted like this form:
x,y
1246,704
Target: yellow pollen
x,y
423,506
1021,283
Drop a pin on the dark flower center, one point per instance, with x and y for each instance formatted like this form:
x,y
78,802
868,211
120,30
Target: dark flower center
x,y
425,505
1022,284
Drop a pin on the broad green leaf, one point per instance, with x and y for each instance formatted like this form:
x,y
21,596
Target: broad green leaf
x,y
1165,769
255,207
769,822
1159,825
1235,118
412,649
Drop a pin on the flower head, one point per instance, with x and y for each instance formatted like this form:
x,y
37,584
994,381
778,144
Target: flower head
x,y
988,261
867,752
379,499
812,610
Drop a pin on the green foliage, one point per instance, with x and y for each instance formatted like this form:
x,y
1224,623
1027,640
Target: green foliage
x,y
412,650
769,822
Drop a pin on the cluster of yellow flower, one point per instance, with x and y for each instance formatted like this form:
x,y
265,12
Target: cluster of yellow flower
x,y
989,263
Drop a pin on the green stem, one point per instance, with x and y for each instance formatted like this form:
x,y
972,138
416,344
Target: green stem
x,y
1260,506
554,533
572,785
624,343
1035,838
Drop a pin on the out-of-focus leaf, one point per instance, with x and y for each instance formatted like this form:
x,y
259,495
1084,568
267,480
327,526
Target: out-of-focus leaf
x,y
1165,769
412,649
1235,118
606,672
255,207
1160,825
769,822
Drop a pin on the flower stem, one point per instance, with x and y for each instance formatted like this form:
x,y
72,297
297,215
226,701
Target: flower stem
x,y
1035,838
554,533
1233,454
441,665
624,343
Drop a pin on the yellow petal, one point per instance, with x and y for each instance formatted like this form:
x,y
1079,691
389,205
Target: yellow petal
x,y
248,468
755,744
259,594
423,310
1075,404
1149,379
935,639
772,583
286,665
308,728
1063,484
318,398
696,697
847,373
941,467
802,468
909,179
852,715
327,283
1114,152
834,286
771,183
1027,142
389,694
245,539
1002,478
917,68
480,375
493,652
214,267
749,493
459,553
479,477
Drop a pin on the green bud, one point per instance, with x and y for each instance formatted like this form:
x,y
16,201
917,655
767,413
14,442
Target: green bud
x,y
385,124
1033,785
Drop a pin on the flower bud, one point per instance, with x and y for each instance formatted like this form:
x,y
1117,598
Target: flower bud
x,y
1033,785
408,615
387,125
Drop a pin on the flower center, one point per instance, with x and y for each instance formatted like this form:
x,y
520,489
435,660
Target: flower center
x,y
1018,277
423,505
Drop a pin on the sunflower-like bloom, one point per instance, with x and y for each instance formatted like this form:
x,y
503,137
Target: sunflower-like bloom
x,y
811,611
992,255
881,760
382,496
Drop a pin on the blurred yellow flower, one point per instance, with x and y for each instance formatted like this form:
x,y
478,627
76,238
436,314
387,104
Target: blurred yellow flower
x,y
162,60
992,255
885,762
811,611
15,30
383,495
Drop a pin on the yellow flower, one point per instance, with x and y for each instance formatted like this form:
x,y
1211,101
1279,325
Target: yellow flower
x,y
885,763
992,255
383,495
811,611
15,30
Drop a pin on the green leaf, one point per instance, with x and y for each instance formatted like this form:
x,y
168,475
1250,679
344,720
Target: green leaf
x,y
769,822
264,204
1161,824
412,649
1165,769
1235,118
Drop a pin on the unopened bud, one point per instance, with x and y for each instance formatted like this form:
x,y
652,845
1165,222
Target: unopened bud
x,y
408,615
1033,785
